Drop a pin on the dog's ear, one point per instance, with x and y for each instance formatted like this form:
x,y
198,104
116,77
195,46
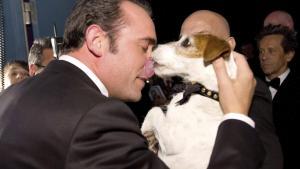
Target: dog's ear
x,y
212,46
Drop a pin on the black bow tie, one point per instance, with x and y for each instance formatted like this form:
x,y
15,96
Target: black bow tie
x,y
275,83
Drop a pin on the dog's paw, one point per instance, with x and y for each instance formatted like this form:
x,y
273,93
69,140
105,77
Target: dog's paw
x,y
152,141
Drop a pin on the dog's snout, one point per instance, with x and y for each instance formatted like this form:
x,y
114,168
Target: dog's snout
x,y
156,52
163,53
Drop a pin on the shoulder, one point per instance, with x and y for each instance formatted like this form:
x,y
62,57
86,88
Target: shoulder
x,y
110,113
262,89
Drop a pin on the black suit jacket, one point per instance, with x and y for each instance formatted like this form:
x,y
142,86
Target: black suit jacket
x,y
286,112
60,120
261,113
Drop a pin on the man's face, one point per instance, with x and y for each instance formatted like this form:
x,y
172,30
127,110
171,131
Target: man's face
x,y
272,58
14,75
125,75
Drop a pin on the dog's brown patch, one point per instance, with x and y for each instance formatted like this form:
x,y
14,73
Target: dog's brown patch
x,y
208,46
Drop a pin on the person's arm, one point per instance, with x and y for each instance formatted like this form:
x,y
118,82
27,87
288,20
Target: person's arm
x,y
237,145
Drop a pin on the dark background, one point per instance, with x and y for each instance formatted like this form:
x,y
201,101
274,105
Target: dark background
x,y
245,17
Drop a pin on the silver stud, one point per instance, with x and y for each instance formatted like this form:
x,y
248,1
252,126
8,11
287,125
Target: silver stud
x,y
208,93
215,96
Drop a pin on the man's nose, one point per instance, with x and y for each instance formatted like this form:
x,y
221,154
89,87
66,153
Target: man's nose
x,y
263,56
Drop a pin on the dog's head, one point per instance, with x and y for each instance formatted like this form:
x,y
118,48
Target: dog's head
x,y
190,58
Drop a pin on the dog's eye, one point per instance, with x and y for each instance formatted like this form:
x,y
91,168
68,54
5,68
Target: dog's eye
x,y
186,43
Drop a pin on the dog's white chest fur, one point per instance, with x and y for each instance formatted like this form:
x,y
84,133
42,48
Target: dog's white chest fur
x,y
186,133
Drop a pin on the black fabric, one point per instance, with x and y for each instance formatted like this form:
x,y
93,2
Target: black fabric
x,y
261,113
275,83
286,114
253,160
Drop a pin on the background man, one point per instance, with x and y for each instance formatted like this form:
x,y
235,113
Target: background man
x,y
40,55
277,46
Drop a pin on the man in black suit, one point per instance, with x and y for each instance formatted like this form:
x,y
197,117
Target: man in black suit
x,y
261,109
277,45
72,115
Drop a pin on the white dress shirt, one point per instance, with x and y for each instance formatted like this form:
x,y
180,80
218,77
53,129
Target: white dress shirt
x,y
282,78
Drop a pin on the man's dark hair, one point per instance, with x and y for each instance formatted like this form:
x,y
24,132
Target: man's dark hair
x,y
289,41
105,13
36,51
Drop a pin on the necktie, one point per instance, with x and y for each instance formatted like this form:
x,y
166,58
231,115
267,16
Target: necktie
x,y
275,83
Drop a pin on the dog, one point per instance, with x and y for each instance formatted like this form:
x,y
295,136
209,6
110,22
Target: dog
x,y
186,127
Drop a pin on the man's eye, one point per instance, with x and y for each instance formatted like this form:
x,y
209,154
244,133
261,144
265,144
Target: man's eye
x,y
261,52
145,48
186,43
271,51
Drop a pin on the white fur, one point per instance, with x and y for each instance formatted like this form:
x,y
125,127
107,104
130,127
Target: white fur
x,y
186,133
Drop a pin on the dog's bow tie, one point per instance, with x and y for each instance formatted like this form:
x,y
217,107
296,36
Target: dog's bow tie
x,y
198,89
275,83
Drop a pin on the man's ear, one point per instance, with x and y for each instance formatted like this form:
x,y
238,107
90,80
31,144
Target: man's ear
x,y
94,37
231,42
32,69
290,55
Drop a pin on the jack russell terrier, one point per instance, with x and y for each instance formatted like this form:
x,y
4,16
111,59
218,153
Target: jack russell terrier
x,y
186,128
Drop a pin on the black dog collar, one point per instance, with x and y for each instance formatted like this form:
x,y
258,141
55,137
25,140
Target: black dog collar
x,y
189,89
198,88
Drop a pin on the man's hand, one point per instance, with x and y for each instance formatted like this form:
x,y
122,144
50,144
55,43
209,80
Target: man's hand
x,y
235,94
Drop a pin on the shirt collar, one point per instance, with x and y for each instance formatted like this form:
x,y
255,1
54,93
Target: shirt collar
x,y
282,76
87,71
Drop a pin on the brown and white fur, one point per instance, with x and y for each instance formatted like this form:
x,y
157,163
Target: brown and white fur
x,y
186,133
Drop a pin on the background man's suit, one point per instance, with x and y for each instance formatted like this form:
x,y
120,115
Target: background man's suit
x,y
286,110
261,113
59,119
